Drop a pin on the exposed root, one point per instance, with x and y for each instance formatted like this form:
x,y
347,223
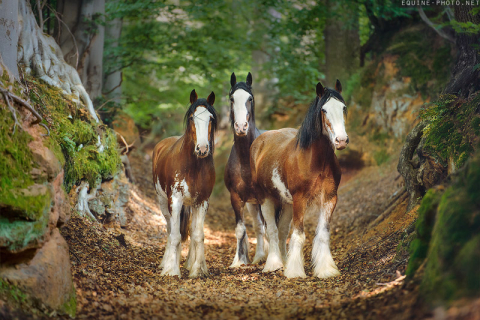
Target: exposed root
x,y
42,55
48,130
83,198
12,110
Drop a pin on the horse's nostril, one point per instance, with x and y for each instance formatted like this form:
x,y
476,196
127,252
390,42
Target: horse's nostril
x,y
348,139
336,140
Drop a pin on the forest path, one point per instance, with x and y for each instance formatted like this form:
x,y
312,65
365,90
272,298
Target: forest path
x,y
117,275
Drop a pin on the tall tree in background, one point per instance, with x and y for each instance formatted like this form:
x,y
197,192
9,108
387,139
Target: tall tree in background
x,y
81,37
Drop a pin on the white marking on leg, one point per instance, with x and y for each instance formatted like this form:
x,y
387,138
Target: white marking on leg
x,y
281,187
294,267
241,254
322,260
259,232
274,261
163,201
191,250
171,258
199,267
284,229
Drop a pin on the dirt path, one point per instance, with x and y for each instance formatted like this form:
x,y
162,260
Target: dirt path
x,y
116,271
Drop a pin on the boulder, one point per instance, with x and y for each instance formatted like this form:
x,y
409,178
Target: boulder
x,y
46,277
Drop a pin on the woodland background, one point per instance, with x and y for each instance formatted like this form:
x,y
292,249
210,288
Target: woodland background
x,y
88,88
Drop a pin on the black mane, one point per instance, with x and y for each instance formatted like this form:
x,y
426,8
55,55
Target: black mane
x,y
312,125
191,110
247,88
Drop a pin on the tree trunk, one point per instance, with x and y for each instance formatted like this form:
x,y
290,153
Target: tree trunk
x,y
9,30
41,55
465,78
84,49
112,81
341,44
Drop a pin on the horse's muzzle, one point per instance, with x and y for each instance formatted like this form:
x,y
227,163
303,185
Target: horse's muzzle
x,y
202,151
341,143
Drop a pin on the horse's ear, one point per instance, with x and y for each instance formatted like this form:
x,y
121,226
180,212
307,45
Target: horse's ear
x,y
249,79
193,96
233,79
338,86
211,98
320,90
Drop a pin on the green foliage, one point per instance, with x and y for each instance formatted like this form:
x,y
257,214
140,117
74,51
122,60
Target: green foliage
x,y
72,131
452,130
421,58
453,257
10,292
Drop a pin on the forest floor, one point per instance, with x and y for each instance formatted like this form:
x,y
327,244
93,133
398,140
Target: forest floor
x,y
117,275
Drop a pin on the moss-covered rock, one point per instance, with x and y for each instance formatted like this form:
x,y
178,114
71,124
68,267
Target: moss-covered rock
x,y
453,251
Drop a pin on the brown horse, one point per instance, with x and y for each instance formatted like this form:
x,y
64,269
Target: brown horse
x,y
296,172
184,175
238,178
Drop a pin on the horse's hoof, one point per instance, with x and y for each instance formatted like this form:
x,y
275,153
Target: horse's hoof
x,y
326,273
258,259
294,274
237,263
273,264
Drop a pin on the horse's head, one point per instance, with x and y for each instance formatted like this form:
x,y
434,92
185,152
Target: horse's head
x,y
333,113
242,112
201,122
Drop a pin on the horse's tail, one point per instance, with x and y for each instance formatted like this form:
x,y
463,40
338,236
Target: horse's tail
x,y
185,217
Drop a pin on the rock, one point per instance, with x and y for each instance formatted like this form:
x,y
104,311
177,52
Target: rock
x,y
34,190
97,207
47,277
115,194
45,159
60,211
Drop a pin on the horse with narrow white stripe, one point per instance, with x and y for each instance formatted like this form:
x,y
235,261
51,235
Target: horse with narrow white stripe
x,y
296,172
184,175
238,178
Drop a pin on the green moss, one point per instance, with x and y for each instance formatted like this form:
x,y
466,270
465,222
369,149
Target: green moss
x,y
70,307
423,229
453,258
452,130
12,293
74,134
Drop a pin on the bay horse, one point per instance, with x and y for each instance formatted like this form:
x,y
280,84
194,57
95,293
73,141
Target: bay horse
x,y
238,178
296,172
184,175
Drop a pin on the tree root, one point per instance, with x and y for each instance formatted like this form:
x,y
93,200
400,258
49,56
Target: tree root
x,y
12,110
7,95
83,198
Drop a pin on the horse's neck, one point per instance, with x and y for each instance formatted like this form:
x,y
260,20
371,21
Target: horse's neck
x,y
321,151
242,144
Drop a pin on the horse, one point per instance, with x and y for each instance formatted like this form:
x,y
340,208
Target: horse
x,y
183,176
296,172
238,178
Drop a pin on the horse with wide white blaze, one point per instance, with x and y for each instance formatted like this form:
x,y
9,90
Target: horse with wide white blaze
x,y
184,175
238,178
296,172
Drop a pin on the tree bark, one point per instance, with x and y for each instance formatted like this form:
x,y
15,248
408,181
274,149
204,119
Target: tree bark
x,y
9,32
465,79
112,82
85,49
41,55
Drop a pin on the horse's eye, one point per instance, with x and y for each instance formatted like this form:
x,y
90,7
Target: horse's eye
x,y
324,111
231,100
250,99
344,109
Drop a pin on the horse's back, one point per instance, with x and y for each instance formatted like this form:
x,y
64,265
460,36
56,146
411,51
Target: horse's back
x,y
272,142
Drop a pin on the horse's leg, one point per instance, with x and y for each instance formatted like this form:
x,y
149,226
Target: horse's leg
x,y
199,265
323,264
241,255
274,261
254,210
191,250
295,263
171,258
166,214
284,229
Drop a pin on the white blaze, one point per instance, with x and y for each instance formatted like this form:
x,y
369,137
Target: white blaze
x,y
240,111
201,119
336,118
